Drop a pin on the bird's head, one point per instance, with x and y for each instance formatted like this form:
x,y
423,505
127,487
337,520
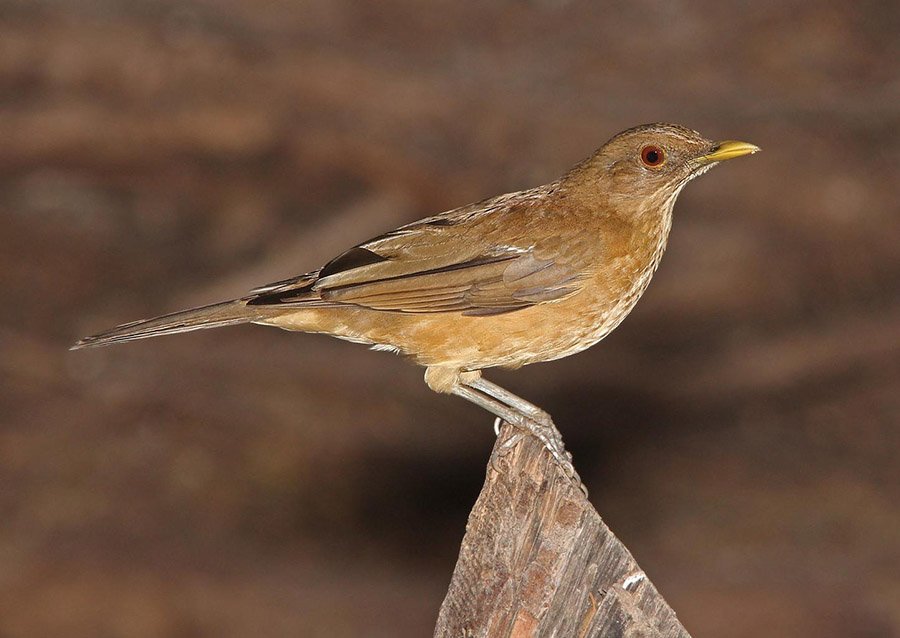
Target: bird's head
x,y
649,165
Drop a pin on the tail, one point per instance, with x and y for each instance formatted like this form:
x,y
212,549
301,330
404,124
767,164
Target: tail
x,y
228,313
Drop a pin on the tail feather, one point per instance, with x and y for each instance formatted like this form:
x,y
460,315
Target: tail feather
x,y
227,313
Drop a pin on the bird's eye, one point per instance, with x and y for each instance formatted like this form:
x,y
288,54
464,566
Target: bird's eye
x,y
653,156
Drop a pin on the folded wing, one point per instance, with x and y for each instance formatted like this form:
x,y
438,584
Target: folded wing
x,y
429,267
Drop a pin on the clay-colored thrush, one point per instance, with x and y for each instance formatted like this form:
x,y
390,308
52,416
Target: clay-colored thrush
x,y
516,279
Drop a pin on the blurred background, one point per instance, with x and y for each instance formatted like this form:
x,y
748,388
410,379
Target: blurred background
x,y
739,431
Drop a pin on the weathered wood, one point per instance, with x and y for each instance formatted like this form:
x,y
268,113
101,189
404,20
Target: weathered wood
x,y
537,560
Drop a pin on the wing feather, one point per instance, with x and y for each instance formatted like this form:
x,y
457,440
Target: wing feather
x,y
436,265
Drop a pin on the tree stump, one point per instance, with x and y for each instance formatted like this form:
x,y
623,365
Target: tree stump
x,y
537,560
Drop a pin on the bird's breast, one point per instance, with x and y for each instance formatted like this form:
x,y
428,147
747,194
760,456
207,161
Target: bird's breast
x,y
613,287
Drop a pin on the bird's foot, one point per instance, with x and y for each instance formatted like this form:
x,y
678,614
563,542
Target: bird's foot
x,y
504,448
545,432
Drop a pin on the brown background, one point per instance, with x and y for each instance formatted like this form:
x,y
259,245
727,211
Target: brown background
x,y
739,431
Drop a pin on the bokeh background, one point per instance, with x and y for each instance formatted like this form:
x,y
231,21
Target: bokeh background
x,y
739,431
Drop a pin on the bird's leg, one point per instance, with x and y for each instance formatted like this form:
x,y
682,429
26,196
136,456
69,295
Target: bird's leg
x,y
524,415
522,406
501,410
533,414
546,434
516,402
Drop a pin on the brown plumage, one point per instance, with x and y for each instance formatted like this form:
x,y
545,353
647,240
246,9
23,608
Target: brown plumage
x,y
516,279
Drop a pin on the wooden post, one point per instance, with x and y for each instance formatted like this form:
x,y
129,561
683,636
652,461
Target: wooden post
x,y
537,560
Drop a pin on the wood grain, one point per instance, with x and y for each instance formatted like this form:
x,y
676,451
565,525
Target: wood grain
x,y
537,560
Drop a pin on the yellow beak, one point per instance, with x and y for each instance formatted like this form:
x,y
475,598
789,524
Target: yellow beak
x,y
728,150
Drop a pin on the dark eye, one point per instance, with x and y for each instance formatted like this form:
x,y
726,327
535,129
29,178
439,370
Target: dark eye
x,y
653,156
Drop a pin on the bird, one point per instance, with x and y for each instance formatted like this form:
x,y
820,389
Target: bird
x,y
520,278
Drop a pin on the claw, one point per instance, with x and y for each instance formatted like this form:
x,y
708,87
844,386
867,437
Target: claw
x,y
551,438
503,449
525,416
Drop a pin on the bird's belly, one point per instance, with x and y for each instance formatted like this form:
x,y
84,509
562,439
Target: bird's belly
x,y
543,332
540,333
